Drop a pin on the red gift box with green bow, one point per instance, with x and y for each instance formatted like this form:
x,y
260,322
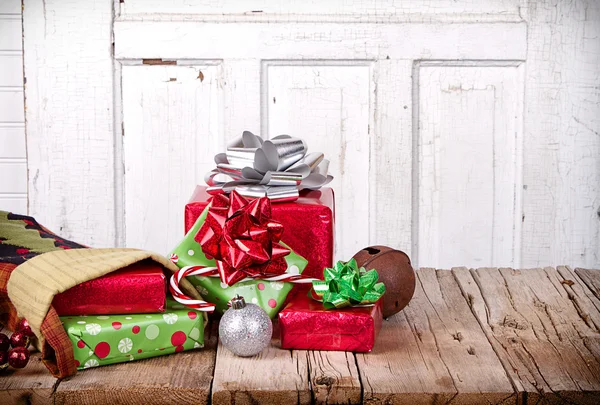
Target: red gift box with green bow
x,y
342,312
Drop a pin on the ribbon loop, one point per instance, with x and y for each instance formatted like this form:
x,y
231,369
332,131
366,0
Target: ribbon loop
x,y
241,237
346,285
277,168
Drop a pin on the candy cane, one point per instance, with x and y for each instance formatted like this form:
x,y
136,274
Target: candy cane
x,y
184,299
200,305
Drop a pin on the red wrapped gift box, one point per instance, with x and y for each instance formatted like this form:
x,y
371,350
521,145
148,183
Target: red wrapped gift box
x,y
308,224
304,324
136,289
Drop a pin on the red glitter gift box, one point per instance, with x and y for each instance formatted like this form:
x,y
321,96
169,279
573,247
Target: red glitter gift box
x,y
308,224
136,289
305,325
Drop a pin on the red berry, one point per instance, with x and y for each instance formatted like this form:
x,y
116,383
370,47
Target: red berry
x,y
4,342
23,326
18,357
19,339
3,360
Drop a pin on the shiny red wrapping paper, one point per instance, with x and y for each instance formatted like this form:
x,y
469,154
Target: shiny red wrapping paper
x,y
305,325
308,224
136,289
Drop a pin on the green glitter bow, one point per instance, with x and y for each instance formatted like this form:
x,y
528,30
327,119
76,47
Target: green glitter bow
x,y
346,285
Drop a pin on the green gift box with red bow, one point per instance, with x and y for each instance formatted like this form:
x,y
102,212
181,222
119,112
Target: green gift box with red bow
x,y
237,238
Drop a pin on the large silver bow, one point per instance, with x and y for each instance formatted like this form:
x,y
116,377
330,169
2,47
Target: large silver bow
x,y
278,168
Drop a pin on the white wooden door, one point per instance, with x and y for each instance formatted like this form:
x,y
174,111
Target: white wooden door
x,y
13,165
445,124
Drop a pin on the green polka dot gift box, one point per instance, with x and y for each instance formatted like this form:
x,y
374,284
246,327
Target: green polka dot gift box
x,y
269,295
109,339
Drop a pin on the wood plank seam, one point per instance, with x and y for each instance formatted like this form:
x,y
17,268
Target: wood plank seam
x,y
553,352
586,278
362,390
517,326
469,298
435,340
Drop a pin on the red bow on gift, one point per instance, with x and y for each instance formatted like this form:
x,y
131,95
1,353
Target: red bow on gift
x,y
242,238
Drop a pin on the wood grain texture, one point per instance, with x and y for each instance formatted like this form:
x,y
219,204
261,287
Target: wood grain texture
x,y
591,278
434,351
183,378
70,132
172,120
343,87
328,105
32,385
543,324
13,163
135,38
275,376
469,112
561,179
241,87
71,98
334,378
392,152
385,10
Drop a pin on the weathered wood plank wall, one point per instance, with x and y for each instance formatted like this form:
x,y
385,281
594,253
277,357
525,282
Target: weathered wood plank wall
x,y
70,118
13,163
464,134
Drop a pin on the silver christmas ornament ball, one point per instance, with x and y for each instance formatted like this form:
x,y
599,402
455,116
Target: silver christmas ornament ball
x,y
245,329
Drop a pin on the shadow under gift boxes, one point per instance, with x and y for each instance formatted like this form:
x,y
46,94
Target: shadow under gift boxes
x,y
308,224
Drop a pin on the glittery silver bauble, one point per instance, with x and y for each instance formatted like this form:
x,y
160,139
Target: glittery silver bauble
x,y
245,329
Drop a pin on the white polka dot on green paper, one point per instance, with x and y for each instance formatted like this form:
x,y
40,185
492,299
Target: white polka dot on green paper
x,y
93,328
254,300
170,318
152,332
149,316
81,322
194,334
294,270
125,345
191,252
91,363
103,317
276,285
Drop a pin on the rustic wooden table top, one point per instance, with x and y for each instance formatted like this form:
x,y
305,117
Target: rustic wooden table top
x,y
468,336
